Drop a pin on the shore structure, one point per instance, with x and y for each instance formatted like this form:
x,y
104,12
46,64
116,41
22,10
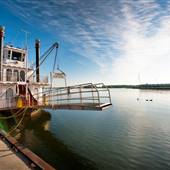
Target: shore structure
x,y
9,160
14,156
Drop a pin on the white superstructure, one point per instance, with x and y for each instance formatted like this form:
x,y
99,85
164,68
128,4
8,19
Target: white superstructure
x,y
15,75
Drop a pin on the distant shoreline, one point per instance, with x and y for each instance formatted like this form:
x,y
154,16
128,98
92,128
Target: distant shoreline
x,y
143,86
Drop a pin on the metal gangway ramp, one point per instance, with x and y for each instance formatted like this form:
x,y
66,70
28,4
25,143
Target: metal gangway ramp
x,y
79,97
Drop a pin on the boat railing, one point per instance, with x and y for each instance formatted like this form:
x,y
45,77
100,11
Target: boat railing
x,y
88,93
13,63
103,89
13,77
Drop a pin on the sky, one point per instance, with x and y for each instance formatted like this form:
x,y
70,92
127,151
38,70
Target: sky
x,y
109,41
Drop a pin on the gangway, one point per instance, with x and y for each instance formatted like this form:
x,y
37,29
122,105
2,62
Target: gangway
x,y
78,97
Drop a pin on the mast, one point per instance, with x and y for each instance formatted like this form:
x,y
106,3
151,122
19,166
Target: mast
x,y
37,51
1,50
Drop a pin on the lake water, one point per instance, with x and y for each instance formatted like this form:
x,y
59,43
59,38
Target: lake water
x,y
131,134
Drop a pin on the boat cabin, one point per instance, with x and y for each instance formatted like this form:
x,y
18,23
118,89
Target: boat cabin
x,y
14,64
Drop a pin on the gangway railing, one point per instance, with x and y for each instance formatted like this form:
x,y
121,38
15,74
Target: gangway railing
x,y
103,90
83,94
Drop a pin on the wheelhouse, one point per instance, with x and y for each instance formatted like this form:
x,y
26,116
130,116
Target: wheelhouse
x,y
14,64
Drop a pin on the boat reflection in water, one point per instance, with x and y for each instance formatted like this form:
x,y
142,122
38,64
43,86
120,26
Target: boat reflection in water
x,y
34,133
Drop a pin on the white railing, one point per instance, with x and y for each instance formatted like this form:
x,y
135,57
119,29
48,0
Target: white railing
x,y
89,93
84,94
13,78
14,63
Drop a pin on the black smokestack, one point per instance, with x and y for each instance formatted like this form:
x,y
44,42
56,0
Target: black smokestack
x,y
1,49
37,50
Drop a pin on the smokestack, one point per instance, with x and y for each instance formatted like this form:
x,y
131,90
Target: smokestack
x,y
1,49
37,50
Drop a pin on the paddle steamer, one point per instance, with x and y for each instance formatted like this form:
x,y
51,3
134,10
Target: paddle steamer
x,y
22,85
17,82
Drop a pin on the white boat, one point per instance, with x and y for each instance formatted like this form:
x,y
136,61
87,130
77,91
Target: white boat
x,y
15,74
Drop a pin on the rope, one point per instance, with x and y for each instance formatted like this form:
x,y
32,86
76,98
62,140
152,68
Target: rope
x,y
24,112
12,116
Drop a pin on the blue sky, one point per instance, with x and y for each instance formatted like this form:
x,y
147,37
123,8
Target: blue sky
x,y
110,41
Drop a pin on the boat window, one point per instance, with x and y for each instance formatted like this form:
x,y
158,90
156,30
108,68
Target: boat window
x,y
22,76
9,54
16,75
9,75
16,56
9,93
23,57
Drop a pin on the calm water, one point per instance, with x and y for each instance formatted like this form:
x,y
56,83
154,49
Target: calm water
x,y
132,134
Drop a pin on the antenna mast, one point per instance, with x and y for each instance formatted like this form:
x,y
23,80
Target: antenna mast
x,y
26,38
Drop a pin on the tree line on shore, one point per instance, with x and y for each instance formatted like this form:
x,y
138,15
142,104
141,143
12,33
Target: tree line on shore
x,y
142,86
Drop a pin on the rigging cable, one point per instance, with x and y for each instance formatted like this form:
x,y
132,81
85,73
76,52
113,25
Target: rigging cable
x,y
14,115
24,112
45,55
55,58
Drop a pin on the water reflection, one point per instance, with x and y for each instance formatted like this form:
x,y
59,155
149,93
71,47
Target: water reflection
x,y
36,136
130,135
6,124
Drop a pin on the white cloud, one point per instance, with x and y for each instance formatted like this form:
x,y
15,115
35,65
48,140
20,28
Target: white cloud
x,y
147,55
123,38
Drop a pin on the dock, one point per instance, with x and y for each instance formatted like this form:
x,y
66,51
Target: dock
x,y
9,160
14,156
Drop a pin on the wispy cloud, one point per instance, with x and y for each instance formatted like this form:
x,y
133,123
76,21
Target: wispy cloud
x,y
146,50
123,38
